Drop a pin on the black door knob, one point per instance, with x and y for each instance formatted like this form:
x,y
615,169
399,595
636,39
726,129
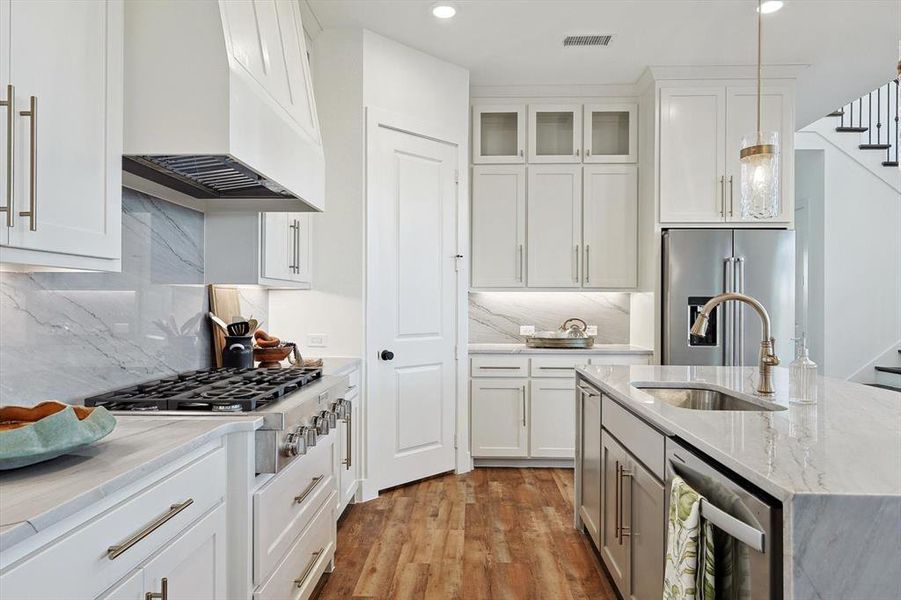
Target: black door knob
x,y
386,355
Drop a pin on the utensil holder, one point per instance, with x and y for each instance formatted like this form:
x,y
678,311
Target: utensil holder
x,y
238,352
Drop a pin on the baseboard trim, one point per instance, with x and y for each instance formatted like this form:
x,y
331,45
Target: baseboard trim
x,y
526,463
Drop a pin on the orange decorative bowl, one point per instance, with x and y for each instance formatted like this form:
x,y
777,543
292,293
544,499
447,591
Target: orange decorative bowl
x,y
271,358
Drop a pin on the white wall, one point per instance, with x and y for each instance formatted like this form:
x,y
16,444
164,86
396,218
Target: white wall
x,y
861,256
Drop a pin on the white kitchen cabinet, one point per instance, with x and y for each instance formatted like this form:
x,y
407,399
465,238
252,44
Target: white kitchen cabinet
x,y
193,565
498,226
64,63
589,464
610,226
701,129
498,133
499,417
610,133
777,114
554,226
552,418
614,545
555,133
692,154
646,525
349,457
271,249
131,588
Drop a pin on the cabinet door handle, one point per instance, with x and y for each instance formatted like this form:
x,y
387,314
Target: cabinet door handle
x,y
731,195
723,196
297,247
616,505
314,558
519,266
520,152
292,262
9,103
577,152
587,263
523,388
624,531
349,460
114,552
32,212
587,152
309,489
163,593
576,264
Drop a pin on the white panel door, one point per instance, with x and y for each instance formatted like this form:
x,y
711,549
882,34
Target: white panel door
x,y
555,225
7,111
66,64
411,305
555,133
194,563
610,226
777,114
552,419
498,226
692,154
499,417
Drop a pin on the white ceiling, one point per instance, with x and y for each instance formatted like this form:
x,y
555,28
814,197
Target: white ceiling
x,y
851,46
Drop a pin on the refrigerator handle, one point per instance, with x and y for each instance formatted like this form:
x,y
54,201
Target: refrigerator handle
x,y
727,309
739,313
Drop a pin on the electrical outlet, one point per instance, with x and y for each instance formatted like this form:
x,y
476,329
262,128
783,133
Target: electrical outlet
x,y
591,330
317,340
526,330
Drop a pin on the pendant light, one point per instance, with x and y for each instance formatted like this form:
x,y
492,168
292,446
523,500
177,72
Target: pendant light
x,y
760,179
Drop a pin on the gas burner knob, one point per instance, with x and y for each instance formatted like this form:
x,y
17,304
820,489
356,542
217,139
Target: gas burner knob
x,y
293,444
332,419
322,422
309,435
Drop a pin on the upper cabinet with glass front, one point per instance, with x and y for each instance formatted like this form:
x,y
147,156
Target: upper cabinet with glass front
x,y
611,133
555,133
498,134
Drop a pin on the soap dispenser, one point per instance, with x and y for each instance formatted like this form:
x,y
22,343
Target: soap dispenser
x,y
802,375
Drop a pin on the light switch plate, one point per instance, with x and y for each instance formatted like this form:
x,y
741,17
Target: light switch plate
x,y
526,329
317,340
591,330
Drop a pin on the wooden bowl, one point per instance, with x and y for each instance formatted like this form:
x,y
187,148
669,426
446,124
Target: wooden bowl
x,y
271,358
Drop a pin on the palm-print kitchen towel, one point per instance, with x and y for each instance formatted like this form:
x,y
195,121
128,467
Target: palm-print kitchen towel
x,y
689,571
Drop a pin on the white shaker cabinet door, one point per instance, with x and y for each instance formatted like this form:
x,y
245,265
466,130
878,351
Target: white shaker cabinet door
x,y
552,418
498,226
647,528
498,133
65,61
194,563
555,133
277,240
777,114
499,418
692,155
131,588
610,227
7,112
555,225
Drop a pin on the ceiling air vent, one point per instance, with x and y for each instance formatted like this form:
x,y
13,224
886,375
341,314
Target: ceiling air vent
x,y
586,40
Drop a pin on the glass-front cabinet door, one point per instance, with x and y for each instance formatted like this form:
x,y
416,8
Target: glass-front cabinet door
x,y
611,133
498,134
555,133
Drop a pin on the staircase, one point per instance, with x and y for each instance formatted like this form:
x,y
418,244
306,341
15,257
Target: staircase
x,y
874,118
888,377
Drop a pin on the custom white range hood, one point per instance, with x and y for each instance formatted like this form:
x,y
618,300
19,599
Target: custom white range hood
x,y
219,107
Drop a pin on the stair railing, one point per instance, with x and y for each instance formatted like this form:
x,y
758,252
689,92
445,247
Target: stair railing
x,y
876,110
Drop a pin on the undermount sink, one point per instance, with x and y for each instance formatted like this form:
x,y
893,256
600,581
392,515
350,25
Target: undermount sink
x,y
703,399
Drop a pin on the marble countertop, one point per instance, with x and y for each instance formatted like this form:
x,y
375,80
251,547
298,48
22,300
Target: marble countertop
x,y
340,365
35,497
523,349
848,443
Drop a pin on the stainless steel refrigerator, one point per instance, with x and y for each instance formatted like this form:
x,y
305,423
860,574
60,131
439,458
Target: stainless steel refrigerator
x,y
701,263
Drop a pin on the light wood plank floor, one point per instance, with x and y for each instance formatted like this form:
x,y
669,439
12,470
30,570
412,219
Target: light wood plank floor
x,y
493,533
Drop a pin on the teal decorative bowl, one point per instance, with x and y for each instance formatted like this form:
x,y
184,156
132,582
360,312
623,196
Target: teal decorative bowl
x,y
30,435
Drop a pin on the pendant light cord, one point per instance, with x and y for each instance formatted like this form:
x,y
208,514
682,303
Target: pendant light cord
x,y
759,66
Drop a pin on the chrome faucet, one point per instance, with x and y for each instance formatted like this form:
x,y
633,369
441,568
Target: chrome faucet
x,y
768,358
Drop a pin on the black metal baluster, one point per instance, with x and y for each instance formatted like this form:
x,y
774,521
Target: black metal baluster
x,y
878,116
896,120
870,118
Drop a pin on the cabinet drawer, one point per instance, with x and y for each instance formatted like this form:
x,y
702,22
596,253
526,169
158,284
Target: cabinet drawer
x,y
353,379
499,366
86,551
640,439
284,506
557,366
620,359
296,576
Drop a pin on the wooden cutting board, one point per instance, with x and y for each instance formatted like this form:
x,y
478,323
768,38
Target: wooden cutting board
x,y
225,304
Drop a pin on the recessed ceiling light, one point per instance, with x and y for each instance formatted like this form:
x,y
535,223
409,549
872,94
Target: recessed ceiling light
x,y
443,10
770,6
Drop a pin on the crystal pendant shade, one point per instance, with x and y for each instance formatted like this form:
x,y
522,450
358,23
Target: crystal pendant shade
x,y
760,189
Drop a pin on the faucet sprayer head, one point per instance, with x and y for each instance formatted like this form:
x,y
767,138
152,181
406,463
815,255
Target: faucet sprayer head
x,y
700,325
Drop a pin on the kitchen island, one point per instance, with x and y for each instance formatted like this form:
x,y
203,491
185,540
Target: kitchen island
x,y
834,466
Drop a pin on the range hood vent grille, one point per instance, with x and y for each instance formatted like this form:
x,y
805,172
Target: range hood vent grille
x,y
204,176
587,40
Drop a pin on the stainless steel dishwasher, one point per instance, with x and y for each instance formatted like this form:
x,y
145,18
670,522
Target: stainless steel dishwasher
x,y
747,526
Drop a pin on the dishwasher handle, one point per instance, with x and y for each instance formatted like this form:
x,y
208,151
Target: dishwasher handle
x,y
744,533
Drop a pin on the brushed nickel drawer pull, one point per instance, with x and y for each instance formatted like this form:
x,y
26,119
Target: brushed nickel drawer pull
x,y
309,568
500,368
114,552
523,406
163,593
309,489
9,103
558,368
32,212
624,531
349,460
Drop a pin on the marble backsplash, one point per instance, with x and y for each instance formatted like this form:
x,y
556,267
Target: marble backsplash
x,y
68,335
495,317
